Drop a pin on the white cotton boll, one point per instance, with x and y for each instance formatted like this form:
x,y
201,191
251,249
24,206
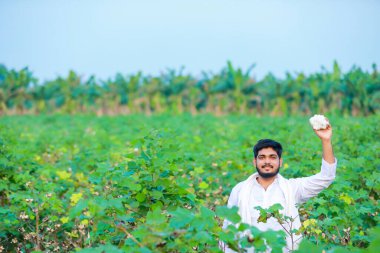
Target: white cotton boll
x,y
318,122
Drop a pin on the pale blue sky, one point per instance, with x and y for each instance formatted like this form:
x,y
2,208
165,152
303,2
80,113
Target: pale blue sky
x,y
106,37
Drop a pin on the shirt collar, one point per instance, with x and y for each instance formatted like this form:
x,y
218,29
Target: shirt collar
x,y
274,182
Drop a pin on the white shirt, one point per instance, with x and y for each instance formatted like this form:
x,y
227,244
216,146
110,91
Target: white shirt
x,y
265,198
301,188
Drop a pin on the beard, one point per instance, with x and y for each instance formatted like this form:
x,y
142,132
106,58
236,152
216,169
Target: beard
x,y
268,174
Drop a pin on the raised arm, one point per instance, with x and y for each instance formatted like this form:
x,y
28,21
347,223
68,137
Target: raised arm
x,y
325,136
308,187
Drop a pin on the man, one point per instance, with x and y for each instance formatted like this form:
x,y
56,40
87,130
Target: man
x,y
266,187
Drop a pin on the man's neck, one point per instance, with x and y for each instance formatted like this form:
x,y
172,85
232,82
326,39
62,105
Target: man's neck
x,y
265,182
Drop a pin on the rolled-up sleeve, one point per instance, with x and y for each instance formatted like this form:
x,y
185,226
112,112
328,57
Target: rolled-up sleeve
x,y
328,169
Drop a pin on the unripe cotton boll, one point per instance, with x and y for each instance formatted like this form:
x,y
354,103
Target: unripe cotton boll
x,y
318,122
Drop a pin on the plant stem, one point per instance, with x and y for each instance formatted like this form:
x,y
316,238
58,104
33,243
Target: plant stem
x,y
130,236
37,229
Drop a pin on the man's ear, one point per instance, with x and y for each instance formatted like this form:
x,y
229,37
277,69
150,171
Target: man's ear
x,y
254,162
280,162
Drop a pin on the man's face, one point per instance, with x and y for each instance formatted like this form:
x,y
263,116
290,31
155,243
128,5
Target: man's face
x,y
267,163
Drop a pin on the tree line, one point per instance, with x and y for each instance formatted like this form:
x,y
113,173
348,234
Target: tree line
x,y
232,90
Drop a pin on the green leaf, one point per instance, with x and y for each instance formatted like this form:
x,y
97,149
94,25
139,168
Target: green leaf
x,y
206,213
203,185
108,248
275,208
156,194
181,218
374,245
263,218
134,187
155,217
78,208
144,250
140,197
230,214
308,247
322,210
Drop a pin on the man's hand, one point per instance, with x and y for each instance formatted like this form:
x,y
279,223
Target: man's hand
x,y
325,136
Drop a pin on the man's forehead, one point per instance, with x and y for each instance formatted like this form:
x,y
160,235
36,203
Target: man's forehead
x,y
267,151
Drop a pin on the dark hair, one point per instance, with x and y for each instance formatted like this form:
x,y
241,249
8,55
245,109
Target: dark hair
x,y
267,143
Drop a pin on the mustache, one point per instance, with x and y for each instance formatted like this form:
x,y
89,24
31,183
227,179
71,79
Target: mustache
x,y
267,165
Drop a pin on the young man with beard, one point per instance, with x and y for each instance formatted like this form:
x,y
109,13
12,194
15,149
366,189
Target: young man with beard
x,y
267,187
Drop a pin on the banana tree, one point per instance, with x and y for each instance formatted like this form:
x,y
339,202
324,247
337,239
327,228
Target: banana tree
x,y
14,89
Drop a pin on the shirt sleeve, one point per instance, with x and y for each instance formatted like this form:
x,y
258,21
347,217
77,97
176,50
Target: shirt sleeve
x,y
307,187
233,200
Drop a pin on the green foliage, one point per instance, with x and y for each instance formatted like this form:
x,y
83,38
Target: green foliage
x,y
160,183
232,90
